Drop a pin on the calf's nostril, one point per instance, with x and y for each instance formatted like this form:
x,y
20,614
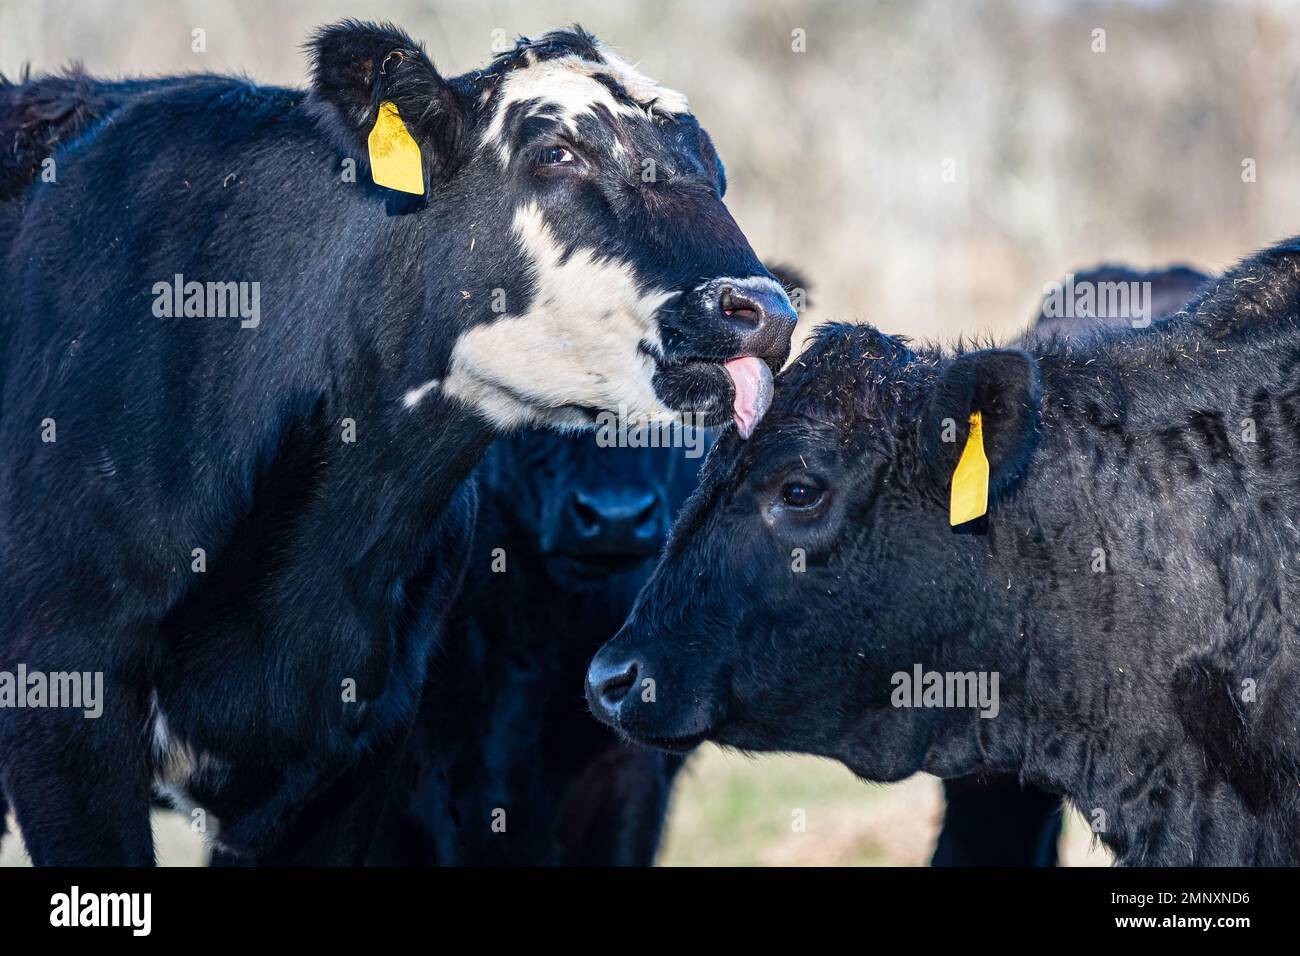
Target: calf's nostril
x,y
614,686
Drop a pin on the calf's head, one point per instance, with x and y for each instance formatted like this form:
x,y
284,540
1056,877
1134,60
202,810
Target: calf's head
x,y
578,248
816,561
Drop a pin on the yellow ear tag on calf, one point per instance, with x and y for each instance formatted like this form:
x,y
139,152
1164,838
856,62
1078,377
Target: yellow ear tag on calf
x,y
394,155
970,482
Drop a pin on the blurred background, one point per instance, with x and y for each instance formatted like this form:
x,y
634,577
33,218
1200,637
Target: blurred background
x,y
928,165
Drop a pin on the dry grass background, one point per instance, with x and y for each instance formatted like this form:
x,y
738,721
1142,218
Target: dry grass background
x,y
1063,156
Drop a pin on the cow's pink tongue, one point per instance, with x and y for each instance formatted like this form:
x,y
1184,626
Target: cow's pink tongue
x,y
752,380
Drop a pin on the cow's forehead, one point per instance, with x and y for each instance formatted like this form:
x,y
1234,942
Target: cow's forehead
x,y
573,85
641,88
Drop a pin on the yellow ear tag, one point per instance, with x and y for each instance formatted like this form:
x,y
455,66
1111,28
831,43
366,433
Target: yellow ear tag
x,y
970,482
394,155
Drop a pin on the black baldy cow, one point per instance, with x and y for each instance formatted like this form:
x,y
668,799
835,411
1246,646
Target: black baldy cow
x,y
241,383
505,765
1123,633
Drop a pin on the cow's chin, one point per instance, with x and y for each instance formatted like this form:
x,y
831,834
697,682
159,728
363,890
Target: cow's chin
x,y
578,388
592,570
698,390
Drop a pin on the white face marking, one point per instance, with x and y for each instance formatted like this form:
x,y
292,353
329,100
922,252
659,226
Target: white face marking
x,y
568,86
750,282
578,343
640,87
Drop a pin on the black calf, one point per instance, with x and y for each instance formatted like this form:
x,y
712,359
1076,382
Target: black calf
x,y
1123,630
506,765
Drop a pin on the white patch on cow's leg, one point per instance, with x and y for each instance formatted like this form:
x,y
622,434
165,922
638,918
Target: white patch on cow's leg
x,y
175,763
416,395
581,342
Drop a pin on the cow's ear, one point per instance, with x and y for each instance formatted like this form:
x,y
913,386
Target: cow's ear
x,y
1000,390
357,68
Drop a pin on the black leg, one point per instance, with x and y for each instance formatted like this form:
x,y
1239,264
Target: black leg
x,y
335,827
994,821
613,812
80,785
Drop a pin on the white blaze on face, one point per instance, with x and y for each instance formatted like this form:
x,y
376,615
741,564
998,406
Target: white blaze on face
x,y
567,87
578,344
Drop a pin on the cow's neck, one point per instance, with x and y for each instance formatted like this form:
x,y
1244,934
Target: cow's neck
x,y
1143,605
395,484
1153,795
1139,593
1155,747
388,481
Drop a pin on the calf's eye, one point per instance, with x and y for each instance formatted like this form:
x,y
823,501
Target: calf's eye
x,y
800,494
554,156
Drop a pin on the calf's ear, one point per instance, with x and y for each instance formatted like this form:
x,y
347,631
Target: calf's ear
x,y
1000,390
372,85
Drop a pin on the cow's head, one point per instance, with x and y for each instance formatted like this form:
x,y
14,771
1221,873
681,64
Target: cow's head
x,y
580,248
587,509
816,561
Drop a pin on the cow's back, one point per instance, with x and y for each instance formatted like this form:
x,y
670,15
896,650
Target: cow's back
x,y
39,117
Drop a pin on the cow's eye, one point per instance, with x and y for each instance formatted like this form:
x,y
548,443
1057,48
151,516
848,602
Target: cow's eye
x,y
801,494
554,156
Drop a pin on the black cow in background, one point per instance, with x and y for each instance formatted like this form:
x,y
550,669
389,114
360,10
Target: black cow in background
x,y
1116,296
506,765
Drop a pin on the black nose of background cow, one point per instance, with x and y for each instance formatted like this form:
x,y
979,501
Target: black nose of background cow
x,y
608,685
614,522
758,310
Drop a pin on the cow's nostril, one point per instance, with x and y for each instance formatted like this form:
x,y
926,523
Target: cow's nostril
x,y
647,519
740,308
586,517
617,522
